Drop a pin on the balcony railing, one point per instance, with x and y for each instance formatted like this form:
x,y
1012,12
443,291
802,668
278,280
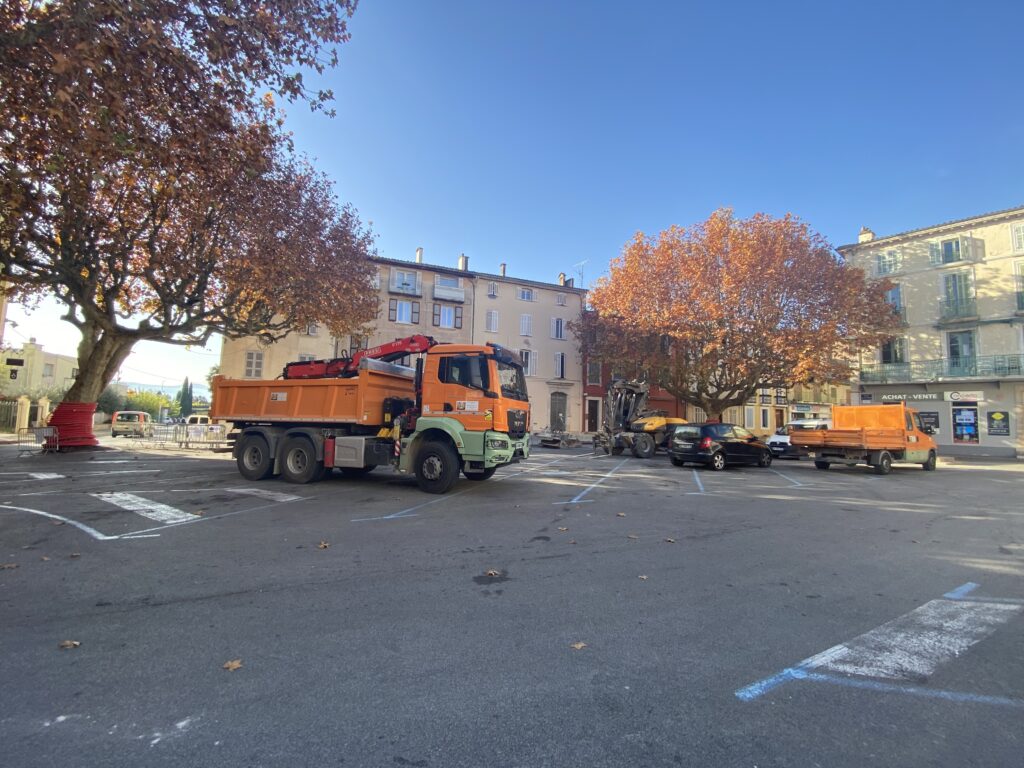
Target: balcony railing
x,y
987,366
901,313
958,309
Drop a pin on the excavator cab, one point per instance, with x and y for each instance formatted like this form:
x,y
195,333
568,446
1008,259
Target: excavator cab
x,y
629,424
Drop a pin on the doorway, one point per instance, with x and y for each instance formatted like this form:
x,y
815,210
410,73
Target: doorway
x,y
593,414
557,421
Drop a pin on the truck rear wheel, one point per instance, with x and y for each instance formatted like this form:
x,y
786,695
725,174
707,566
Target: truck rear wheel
x,y
437,467
298,461
643,446
929,466
884,465
254,460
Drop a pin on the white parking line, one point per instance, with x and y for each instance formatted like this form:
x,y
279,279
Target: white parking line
x,y
80,526
154,510
265,494
795,483
592,486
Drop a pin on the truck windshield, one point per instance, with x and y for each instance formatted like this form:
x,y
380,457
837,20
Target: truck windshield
x,y
513,383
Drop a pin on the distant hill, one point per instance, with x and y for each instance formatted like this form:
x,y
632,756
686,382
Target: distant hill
x,y
171,390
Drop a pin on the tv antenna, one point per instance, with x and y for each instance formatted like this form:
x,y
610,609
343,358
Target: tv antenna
x,y
579,270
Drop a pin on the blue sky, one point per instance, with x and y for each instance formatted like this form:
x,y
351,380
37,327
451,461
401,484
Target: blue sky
x,y
543,134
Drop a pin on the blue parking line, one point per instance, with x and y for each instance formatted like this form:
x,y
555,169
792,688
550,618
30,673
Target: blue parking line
x,y
910,690
962,591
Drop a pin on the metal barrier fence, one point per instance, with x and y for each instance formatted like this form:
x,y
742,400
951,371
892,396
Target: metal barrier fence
x,y
199,436
43,439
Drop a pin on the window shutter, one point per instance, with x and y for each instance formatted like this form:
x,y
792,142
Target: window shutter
x,y
879,264
437,314
393,310
418,291
1018,237
416,309
458,317
934,253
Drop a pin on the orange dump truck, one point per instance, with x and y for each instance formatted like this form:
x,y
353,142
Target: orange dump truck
x,y
876,435
463,409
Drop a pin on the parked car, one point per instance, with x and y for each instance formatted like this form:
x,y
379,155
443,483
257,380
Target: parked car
x,y
716,445
134,423
780,444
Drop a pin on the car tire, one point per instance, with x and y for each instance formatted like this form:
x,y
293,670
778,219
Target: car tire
x,y
821,464
929,466
643,446
487,474
676,462
437,467
617,451
254,459
884,465
765,459
298,461
717,461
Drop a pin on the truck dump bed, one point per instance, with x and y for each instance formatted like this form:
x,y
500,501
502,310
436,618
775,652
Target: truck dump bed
x,y
357,400
867,427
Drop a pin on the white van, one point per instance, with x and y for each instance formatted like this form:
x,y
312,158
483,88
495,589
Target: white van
x,y
779,443
131,423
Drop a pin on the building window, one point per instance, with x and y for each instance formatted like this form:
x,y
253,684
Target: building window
x,y
764,418
557,328
594,372
304,358
894,351
74,373
375,280
560,299
894,297
1017,237
559,365
48,370
944,252
312,329
359,342
405,312
748,417
887,262
526,325
447,281
492,289
526,294
529,361
254,365
403,281
447,316
492,321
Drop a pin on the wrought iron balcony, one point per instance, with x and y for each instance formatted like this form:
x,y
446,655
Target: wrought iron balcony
x,y
957,309
987,367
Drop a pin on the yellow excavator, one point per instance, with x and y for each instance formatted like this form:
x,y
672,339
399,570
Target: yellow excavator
x,y
627,422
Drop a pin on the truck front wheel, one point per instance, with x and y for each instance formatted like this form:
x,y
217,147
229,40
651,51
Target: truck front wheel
x,y
643,446
298,461
929,466
437,467
254,460
821,464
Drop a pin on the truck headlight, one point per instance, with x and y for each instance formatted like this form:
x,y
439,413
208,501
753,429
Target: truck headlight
x,y
499,445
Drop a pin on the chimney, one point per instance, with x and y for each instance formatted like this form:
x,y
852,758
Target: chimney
x,y
419,255
463,262
501,269
570,282
561,278
865,235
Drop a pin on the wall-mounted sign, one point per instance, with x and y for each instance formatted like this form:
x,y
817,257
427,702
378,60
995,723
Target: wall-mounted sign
x,y
910,396
866,397
964,395
802,408
999,423
930,419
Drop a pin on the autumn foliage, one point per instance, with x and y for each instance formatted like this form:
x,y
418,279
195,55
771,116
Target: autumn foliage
x,y
147,182
714,311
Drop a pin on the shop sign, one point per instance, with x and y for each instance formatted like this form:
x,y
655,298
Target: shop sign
x,y
910,396
930,419
999,423
866,397
971,396
802,408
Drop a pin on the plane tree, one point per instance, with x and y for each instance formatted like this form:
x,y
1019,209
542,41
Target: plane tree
x,y
715,311
148,183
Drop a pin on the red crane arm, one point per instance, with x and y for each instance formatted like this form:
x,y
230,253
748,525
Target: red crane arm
x,y
345,367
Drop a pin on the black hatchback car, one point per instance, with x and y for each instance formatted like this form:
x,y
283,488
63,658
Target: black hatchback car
x,y
716,445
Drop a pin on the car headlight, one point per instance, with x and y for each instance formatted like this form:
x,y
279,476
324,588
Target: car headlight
x,y
499,445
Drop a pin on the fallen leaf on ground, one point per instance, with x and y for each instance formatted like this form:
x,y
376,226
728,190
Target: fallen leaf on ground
x,y
563,529
572,541
66,644
578,646
670,541
57,522
643,578
632,536
44,557
8,566
232,665
324,544
75,554
493,573
620,514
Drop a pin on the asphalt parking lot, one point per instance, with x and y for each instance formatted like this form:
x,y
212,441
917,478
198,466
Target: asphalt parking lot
x,y
575,610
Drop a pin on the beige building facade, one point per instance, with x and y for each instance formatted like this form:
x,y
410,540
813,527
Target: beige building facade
x,y
453,305
30,370
958,289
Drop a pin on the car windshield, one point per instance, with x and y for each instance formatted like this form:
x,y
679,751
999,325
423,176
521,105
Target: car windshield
x,y
513,383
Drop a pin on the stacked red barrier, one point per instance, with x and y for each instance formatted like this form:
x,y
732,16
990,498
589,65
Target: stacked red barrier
x,y
74,424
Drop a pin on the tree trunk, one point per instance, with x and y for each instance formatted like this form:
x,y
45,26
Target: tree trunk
x,y
100,354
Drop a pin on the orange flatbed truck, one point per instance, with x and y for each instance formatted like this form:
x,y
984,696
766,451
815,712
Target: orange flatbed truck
x,y
463,408
876,435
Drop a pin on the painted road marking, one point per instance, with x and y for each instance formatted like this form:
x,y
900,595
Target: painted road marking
x,y
80,526
45,476
795,483
698,481
265,494
592,486
910,647
154,510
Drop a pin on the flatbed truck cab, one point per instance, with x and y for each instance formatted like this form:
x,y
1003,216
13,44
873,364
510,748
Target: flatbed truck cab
x,y
876,435
464,409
